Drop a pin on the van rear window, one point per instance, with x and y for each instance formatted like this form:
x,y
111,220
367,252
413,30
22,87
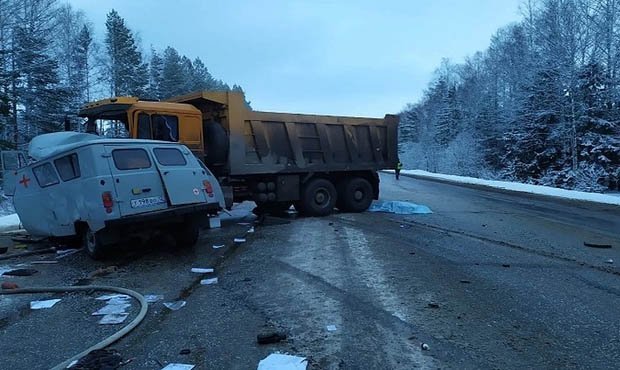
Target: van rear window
x,y
68,167
169,157
45,175
131,159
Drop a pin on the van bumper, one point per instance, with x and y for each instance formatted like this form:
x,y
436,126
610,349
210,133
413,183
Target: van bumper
x,y
196,212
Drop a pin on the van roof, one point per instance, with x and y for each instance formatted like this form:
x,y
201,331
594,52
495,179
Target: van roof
x,y
48,145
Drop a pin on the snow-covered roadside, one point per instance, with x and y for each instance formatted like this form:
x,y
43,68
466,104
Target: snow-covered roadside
x,y
519,187
9,223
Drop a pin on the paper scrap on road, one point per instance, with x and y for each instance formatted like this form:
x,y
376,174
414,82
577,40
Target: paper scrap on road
x,y
114,318
178,367
152,298
331,328
38,305
251,230
201,270
239,240
111,309
175,305
208,281
218,246
399,207
119,300
278,361
110,296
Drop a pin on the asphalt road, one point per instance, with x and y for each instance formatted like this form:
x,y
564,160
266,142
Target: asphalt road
x,y
489,280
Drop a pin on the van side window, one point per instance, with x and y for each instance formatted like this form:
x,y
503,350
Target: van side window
x,y
45,175
144,126
165,127
131,159
68,167
169,157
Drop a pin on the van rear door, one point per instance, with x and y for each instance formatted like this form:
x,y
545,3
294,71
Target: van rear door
x,y
138,185
182,176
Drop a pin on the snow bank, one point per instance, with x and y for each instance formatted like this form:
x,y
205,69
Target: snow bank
x,y
9,222
519,187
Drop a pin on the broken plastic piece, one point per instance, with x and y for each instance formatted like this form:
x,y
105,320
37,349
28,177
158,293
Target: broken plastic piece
x,y
218,246
178,367
208,281
38,305
251,230
201,270
152,298
331,328
239,240
280,361
609,261
112,309
113,318
175,305
65,253
425,347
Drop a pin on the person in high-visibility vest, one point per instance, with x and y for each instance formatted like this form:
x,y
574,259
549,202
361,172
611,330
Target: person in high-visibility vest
x,y
399,166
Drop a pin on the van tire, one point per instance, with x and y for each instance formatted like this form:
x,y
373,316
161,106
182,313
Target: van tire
x,y
354,195
318,198
93,245
186,235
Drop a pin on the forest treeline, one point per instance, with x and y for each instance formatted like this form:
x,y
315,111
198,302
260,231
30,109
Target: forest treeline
x,y
541,105
51,63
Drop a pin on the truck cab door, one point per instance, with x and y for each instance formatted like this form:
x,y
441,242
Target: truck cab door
x,y
11,160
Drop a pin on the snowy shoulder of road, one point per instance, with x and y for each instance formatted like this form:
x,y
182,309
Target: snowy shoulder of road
x,y
519,187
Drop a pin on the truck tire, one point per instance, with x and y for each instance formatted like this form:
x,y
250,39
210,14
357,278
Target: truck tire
x,y
93,245
355,195
186,235
318,198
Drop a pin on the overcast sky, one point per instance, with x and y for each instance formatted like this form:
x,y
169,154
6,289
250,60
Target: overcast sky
x,y
353,57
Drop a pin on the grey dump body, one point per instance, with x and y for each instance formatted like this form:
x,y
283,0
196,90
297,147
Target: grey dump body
x,y
81,181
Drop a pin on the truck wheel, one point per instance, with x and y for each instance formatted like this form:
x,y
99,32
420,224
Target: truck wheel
x,y
318,198
92,244
186,235
355,195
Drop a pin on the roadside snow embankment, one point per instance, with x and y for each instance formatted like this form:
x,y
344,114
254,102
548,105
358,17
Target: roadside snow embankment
x,y
518,187
9,222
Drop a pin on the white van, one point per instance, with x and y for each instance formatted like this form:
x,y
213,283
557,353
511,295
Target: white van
x,y
104,191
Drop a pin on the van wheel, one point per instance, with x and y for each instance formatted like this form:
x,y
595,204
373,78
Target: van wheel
x,y
318,198
92,244
186,235
354,195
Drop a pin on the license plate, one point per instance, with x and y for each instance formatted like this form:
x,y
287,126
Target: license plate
x,y
146,202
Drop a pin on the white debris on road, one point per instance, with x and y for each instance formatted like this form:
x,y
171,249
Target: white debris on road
x,y
399,207
331,328
178,367
107,297
152,298
112,309
208,281
113,318
39,305
218,246
202,270
175,305
278,361
239,240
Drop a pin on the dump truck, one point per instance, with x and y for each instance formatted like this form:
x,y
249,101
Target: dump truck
x,y
314,162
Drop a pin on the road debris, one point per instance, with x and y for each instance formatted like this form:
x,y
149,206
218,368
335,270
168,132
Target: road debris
x,y
103,271
424,347
175,305
152,298
7,285
113,318
107,297
244,223
185,351
239,240
399,207
99,359
44,262
112,309
65,252
208,281
20,272
279,361
505,265
178,367
39,305
271,337
218,246
250,230
610,261
593,245
433,305
331,328
201,270
464,281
